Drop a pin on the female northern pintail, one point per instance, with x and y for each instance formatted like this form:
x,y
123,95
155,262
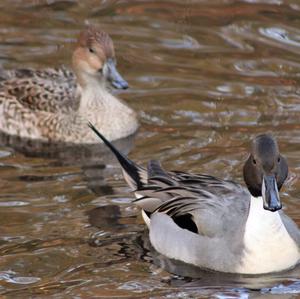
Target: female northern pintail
x,y
218,224
54,104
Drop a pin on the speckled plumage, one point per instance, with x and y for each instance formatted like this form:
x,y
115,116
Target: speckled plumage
x,y
49,90
55,104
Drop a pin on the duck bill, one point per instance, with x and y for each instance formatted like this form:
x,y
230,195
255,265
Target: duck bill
x,y
114,77
270,194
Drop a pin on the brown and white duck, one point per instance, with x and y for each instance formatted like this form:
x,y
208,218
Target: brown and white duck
x,y
54,104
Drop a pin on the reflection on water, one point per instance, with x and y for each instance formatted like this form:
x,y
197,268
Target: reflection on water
x,y
205,77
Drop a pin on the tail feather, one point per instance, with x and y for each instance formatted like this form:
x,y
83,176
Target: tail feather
x,y
155,169
133,174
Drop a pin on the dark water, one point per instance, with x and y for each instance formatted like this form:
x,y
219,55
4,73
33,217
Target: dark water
x,y
205,77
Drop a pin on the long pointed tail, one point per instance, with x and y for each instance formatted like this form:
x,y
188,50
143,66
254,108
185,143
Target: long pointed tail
x,y
133,174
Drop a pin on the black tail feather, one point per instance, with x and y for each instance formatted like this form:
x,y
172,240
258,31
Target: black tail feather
x,y
128,166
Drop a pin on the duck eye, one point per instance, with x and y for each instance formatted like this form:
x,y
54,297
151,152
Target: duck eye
x,y
91,50
254,161
278,160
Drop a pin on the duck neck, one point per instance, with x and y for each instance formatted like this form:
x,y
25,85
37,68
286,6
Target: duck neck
x,y
94,94
263,222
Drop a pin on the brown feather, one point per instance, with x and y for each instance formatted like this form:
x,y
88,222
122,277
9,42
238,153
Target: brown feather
x,y
94,35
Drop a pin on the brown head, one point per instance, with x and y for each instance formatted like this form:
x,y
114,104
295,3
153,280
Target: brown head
x,y
265,171
94,59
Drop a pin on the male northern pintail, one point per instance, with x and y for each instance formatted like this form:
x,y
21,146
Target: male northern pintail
x,y
218,224
54,104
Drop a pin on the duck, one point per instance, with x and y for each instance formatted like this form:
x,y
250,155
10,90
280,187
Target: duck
x,y
217,224
55,104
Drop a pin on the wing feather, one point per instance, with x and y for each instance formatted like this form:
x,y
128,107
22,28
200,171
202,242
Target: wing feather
x,y
50,90
206,201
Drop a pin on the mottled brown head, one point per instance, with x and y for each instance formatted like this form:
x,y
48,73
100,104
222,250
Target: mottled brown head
x,y
94,58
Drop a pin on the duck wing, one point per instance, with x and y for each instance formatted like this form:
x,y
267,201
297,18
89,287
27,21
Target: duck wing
x,y
49,90
16,73
291,227
200,203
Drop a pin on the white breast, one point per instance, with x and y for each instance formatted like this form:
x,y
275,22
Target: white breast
x,y
268,245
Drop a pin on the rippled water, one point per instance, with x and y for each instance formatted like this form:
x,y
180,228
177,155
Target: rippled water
x,y
205,77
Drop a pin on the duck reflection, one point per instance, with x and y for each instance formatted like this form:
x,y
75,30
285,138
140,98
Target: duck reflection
x,y
92,160
65,153
105,217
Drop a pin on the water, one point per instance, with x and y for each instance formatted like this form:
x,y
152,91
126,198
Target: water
x,y
205,77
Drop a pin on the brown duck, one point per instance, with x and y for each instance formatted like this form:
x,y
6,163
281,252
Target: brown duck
x,y
55,104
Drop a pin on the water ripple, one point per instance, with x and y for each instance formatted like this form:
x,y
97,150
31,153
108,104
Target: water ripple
x,y
11,277
205,77
281,35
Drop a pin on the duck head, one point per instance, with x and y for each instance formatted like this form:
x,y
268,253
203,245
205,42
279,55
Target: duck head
x,y
94,59
265,171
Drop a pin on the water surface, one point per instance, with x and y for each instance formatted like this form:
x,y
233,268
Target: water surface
x,y
205,77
